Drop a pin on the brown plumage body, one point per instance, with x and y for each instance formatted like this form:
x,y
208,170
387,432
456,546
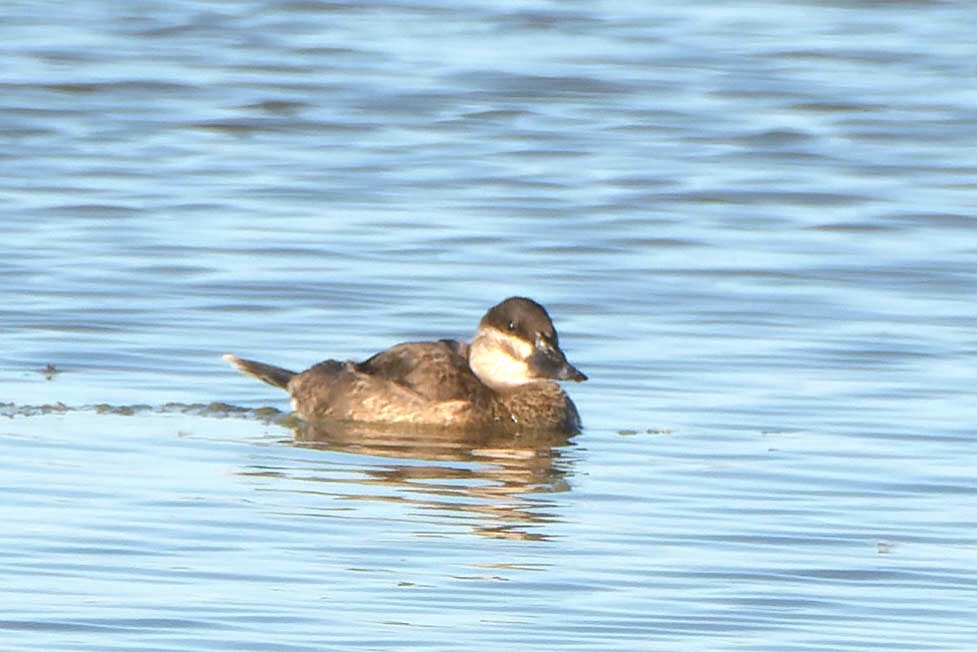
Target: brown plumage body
x,y
503,380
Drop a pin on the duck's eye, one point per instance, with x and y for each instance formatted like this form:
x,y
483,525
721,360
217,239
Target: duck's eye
x,y
511,326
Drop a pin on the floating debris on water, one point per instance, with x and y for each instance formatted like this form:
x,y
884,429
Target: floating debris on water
x,y
12,409
649,431
216,410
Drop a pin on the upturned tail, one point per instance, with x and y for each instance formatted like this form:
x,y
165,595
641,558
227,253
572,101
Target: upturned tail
x,y
270,374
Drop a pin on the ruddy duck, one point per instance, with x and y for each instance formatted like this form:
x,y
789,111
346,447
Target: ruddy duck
x,y
503,379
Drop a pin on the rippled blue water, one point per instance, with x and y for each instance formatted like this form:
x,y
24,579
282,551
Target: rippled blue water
x,y
755,227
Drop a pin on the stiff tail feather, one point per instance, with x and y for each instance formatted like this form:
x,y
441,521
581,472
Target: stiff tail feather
x,y
270,374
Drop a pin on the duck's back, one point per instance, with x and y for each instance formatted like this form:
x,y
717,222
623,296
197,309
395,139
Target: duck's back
x,y
437,371
414,382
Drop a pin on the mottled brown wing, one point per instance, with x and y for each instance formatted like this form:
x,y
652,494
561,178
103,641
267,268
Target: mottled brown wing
x,y
438,371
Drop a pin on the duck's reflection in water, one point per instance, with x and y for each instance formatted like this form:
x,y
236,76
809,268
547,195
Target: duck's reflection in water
x,y
497,481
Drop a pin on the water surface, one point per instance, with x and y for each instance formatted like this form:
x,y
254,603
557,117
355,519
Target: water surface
x,y
754,227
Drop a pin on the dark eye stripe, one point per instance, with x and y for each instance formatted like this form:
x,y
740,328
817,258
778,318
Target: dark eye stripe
x,y
510,350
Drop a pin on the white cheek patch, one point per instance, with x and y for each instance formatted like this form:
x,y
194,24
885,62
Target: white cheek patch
x,y
500,370
498,359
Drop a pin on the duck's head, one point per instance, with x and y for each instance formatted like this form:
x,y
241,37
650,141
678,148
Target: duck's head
x,y
516,344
